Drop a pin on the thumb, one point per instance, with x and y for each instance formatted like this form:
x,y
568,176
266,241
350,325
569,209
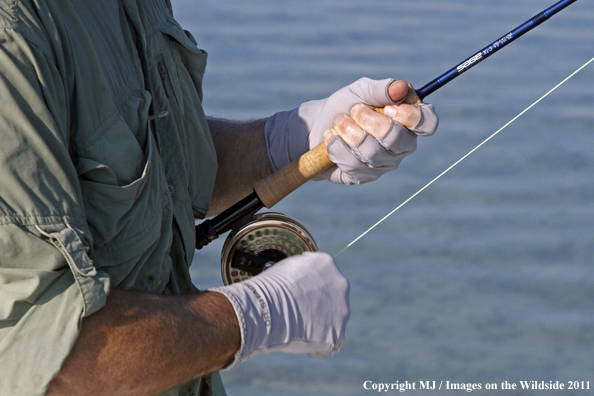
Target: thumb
x,y
397,90
371,92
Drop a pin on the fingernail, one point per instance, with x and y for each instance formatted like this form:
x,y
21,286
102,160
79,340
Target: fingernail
x,y
355,109
391,111
328,136
338,119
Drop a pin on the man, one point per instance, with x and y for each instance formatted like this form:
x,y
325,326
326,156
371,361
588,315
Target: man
x,y
106,161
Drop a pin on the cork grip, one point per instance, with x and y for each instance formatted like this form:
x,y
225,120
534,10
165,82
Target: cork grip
x,y
281,183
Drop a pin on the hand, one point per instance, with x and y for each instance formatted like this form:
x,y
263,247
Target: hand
x,y
300,305
365,144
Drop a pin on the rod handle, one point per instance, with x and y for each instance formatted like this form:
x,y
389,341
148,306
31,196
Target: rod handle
x,y
281,183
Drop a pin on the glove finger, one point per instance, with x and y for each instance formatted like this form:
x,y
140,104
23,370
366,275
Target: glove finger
x,y
371,158
372,92
352,169
335,175
387,152
428,122
398,141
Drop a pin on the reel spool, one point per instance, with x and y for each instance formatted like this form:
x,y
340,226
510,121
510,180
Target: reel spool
x,y
259,244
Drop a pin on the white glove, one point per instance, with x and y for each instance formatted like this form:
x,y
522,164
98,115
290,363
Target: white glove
x,y
290,134
299,305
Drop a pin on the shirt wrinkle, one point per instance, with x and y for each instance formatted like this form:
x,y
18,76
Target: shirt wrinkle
x,y
118,207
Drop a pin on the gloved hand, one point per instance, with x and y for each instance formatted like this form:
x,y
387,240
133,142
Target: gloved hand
x,y
364,144
299,305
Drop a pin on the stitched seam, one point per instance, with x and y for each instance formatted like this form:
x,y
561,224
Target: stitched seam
x,y
10,24
31,220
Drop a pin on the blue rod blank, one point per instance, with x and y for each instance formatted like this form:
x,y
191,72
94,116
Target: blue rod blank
x,y
491,49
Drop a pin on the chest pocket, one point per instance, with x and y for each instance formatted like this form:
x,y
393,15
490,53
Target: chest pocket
x,y
121,188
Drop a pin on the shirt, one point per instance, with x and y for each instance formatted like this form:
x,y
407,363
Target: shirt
x,y
105,163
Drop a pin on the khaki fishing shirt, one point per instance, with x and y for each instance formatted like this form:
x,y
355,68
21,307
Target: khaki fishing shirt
x,y
105,162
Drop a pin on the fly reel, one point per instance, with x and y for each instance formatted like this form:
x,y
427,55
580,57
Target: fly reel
x,y
259,244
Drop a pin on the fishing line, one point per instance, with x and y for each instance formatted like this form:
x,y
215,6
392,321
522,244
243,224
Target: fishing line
x,y
464,157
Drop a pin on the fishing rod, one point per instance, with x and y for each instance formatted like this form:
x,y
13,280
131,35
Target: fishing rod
x,y
257,241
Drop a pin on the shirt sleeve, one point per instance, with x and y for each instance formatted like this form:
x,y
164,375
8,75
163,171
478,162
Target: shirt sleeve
x,y
48,283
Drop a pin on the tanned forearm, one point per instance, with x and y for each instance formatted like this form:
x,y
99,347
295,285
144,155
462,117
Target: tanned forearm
x,y
242,160
144,344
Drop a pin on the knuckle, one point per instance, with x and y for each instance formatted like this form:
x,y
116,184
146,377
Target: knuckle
x,y
376,124
340,120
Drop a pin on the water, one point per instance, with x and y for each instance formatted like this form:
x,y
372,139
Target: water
x,y
486,276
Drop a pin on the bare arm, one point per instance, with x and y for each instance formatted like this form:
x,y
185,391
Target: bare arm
x,y
144,344
242,160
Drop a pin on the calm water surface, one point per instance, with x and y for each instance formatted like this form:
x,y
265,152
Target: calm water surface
x,y
485,277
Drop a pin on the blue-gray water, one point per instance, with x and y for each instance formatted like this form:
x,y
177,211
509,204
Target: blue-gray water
x,y
485,277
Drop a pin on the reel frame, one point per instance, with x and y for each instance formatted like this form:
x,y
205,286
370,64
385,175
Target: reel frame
x,y
262,242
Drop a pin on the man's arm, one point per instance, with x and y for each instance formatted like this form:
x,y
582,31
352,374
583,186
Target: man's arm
x,y
242,160
144,344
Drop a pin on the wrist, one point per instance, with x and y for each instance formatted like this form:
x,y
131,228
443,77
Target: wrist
x,y
233,302
287,137
215,310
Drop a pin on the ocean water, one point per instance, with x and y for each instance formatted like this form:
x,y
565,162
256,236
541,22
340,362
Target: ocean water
x,y
487,276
